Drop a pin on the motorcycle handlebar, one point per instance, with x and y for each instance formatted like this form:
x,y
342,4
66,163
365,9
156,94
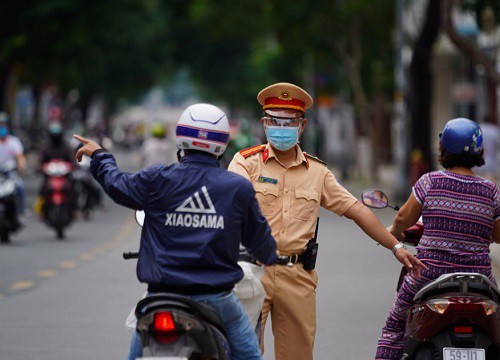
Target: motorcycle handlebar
x,y
130,255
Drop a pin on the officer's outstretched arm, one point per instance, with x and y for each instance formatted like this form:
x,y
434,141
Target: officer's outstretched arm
x,y
370,224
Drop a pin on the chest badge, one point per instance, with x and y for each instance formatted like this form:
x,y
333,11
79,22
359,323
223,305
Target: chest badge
x,y
263,179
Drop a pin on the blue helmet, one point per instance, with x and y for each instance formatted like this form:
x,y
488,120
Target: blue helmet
x,y
462,136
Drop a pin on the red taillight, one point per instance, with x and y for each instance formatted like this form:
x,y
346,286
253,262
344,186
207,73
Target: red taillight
x,y
165,330
164,322
463,330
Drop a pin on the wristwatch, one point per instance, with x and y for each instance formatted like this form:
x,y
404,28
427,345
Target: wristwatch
x,y
397,247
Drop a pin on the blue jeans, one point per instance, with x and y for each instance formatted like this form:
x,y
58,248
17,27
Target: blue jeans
x,y
240,335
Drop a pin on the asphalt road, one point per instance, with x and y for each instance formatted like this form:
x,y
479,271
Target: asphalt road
x,y
69,299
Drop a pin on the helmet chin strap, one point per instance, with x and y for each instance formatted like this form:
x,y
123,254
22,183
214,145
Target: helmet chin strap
x,y
179,156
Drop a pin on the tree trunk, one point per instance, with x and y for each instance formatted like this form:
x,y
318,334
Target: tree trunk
x,y
4,75
421,82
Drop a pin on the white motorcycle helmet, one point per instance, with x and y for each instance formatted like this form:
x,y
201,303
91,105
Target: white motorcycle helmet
x,y
203,127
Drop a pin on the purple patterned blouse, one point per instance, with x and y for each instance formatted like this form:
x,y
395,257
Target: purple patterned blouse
x,y
458,213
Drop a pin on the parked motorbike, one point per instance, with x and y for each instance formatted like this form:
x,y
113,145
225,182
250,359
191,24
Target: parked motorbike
x,y
455,317
57,208
9,218
86,192
172,326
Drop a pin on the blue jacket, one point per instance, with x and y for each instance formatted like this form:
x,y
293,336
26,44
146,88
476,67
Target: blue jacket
x,y
197,214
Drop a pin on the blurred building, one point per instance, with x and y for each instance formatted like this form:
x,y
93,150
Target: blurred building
x,y
461,89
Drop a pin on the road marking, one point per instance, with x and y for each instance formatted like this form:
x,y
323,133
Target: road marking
x,y
49,273
22,285
88,256
99,250
68,264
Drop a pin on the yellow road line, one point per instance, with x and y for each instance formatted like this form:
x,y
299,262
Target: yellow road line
x,y
49,273
22,285
68,264
88,256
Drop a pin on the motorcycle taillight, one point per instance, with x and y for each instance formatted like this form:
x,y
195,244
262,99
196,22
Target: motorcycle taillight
x,y
164,327
164,322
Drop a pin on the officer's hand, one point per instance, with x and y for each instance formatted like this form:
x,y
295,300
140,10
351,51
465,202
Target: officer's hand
x,y
88,147
413,265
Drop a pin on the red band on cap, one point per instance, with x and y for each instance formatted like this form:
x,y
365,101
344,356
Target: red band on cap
x,y
275,102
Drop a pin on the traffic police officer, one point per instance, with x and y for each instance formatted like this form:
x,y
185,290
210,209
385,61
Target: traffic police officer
x,y
291,185
196,215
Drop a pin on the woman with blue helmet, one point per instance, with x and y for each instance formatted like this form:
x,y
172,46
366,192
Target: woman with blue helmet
x,y
461,216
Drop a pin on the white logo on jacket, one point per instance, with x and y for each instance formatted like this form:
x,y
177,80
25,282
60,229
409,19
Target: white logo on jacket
x,y
193,212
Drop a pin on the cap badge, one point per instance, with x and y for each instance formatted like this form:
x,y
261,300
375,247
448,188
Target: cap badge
x,y
285,95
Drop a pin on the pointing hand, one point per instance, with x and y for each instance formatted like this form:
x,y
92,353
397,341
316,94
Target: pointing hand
x,y
88,147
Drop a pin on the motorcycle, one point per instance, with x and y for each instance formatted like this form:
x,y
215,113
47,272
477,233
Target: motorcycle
x,y
455,317
172,326
9,218
57,208
87,193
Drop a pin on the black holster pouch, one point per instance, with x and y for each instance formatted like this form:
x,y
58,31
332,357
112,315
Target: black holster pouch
x,y
310,254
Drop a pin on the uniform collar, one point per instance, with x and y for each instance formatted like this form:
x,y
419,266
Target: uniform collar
x,y
201,159
269,153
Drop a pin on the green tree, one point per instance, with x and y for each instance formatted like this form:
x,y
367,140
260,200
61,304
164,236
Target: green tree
x,y
113,47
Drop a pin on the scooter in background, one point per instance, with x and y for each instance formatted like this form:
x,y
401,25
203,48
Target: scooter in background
x,y
455,317
57,192
9,218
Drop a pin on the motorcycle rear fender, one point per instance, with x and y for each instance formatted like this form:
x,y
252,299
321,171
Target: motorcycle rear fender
x,y
423,323
171,300
210,338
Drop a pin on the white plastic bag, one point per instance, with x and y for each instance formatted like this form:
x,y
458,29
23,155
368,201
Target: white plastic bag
x,y
131,321
250,291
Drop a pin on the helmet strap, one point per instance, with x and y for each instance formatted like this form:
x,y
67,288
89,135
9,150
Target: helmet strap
x,y
179,155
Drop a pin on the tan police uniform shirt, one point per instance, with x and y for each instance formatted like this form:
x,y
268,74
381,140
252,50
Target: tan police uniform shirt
x,y
290,197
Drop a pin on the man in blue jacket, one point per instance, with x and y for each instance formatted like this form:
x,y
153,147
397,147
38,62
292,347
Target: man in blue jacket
x,y
196,216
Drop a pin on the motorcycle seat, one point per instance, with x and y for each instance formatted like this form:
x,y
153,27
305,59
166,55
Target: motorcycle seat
x,y
156,301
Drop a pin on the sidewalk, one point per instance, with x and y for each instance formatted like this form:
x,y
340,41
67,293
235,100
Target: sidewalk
x,y
387,175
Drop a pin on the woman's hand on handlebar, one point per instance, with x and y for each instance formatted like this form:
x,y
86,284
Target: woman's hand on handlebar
x,y
413,265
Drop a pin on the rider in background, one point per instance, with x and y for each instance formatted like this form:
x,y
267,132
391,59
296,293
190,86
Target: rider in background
x,y
461,217
196,216
158,148
11,149
56,147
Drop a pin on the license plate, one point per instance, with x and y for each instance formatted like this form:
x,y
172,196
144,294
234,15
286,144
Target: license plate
x,y
463,354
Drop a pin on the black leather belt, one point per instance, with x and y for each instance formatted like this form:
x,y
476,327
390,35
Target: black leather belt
x,y
290,259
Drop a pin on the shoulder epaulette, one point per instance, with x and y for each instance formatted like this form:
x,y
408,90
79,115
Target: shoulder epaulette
x,y
315,158
252,150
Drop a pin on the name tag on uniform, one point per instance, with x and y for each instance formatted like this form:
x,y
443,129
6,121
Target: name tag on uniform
x,y
263,179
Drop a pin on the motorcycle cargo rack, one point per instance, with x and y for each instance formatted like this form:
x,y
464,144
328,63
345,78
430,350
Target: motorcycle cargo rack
x,y
464,283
